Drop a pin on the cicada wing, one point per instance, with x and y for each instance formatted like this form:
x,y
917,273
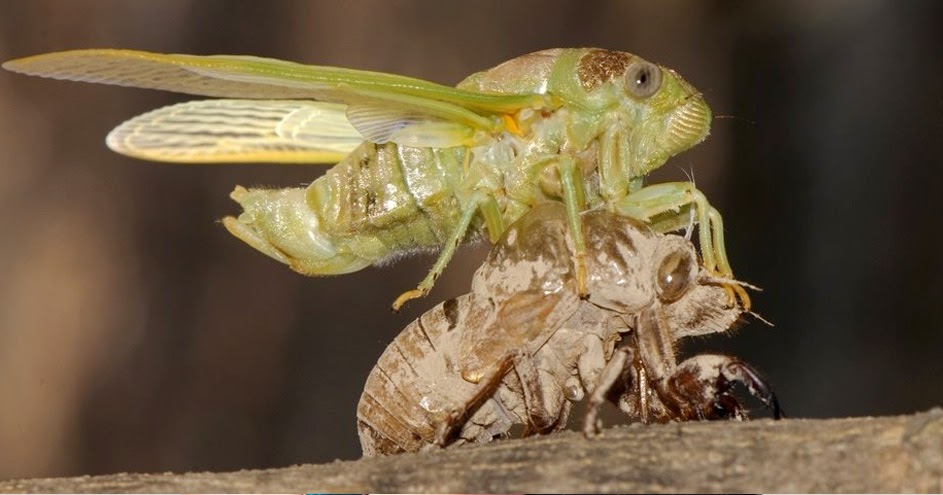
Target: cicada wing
x,y
178,73
383,123
229,76
208,131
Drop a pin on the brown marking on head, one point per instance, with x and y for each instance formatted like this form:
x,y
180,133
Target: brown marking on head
x,y
599,66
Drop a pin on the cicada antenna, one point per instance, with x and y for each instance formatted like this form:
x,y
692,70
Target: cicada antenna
x,y
736,117
761,319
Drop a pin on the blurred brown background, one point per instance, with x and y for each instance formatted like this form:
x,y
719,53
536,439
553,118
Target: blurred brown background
x,y
136,335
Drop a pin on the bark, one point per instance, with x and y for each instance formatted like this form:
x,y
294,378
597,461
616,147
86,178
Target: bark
x,y
885,454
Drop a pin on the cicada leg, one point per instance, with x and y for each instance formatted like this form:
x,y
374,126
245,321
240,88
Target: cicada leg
x,y
454,419
703,383
487,204
545,406
574,200
608,377
664,205
545,412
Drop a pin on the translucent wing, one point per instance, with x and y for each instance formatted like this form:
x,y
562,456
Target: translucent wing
x,y
205,131
381,123
231,76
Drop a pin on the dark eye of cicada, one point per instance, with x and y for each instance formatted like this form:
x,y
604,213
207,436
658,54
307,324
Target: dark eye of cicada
x,y
642,79
675,275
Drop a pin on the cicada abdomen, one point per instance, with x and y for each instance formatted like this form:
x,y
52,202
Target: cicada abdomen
x,y
415,385
381,201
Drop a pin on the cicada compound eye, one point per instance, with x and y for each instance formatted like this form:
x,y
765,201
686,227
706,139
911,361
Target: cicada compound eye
x,y
675,275
642,79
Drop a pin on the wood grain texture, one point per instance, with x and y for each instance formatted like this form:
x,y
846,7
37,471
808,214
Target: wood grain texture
x,y
886,454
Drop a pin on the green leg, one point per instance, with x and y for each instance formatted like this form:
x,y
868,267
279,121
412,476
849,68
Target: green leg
x,y
661,205
682,220
480,200
666,208
494,220
574,199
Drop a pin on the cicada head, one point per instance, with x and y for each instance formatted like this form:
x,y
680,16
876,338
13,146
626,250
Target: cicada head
x,y
657,113
691,300
706,308
632,269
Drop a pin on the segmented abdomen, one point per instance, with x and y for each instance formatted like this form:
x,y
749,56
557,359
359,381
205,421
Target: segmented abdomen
x,y
414,384
385,199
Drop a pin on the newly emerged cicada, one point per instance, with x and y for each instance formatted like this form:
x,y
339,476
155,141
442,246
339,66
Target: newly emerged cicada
x,y
419,165
522,346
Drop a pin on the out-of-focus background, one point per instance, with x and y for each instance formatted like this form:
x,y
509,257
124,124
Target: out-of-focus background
x,y
137,335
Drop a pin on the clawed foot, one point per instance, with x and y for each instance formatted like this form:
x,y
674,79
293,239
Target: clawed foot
x,y
446,429
737,292
735,289
705,382
408,296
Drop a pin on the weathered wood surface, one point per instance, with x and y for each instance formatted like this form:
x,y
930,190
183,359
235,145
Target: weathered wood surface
x,y
886,454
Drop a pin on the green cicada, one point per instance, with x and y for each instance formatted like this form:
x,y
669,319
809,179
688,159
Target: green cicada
x,y
419,165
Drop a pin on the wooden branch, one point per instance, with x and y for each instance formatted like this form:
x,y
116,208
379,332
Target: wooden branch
x,y
887,454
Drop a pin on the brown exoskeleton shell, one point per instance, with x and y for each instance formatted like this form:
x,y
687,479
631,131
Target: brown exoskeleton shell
x,y
522,346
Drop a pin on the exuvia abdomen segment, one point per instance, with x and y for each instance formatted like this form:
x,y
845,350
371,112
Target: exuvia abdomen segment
x,y
380,201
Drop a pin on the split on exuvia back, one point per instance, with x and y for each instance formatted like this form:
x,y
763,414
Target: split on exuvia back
x,y
420,165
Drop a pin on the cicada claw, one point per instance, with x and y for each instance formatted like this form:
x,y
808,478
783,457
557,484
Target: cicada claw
x,y
735,292
408,296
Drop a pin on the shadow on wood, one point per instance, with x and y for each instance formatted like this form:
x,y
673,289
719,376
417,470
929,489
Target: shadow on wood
x,y
887,454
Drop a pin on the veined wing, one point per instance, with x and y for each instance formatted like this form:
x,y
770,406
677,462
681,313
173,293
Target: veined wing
x,y
207,131
235,76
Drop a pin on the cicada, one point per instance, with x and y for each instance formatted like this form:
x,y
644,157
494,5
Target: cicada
x,y
419,165
523,346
